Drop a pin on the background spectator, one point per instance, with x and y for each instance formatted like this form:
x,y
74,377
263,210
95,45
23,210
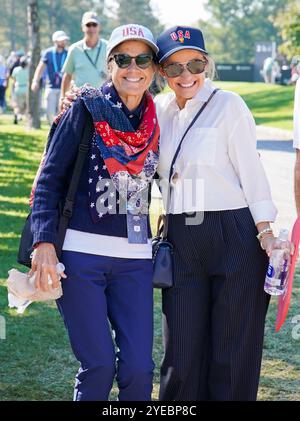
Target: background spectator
x,y
20,76
52,60
86,59
3,83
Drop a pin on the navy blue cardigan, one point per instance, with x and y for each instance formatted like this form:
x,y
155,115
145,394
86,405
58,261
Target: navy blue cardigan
x,y
54,180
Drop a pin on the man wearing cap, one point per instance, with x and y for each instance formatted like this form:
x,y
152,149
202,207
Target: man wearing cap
x,y
52,60
86,59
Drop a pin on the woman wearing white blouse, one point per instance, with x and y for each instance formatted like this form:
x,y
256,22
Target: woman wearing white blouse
x,y
220,200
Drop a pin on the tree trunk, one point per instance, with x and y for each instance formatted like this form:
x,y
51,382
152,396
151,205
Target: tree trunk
x,y
35,50
12,25
52,17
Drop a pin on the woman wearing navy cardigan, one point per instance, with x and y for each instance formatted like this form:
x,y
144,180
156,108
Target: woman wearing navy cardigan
x,y
107,249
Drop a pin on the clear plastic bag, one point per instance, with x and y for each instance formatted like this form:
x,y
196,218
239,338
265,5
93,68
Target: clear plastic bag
x,y
22,291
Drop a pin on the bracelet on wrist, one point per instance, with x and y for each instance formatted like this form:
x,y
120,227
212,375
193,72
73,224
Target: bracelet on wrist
x,y
263,233
263,238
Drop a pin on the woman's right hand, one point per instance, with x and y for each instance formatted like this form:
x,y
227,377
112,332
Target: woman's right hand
x,y
43,265
269,243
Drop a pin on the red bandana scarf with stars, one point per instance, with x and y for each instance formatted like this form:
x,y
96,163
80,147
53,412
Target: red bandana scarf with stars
x,y
130,156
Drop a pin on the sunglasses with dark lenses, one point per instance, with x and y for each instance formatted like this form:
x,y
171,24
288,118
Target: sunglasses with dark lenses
x,y
195,66
142,60
94,24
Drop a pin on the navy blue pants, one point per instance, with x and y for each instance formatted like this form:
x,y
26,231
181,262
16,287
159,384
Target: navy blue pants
x,y
100,294
214,316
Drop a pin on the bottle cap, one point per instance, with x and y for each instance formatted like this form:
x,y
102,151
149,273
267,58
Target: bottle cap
x,y
283,234
60,267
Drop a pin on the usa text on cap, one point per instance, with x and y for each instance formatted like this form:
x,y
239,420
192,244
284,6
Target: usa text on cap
x,y
179,38
131,32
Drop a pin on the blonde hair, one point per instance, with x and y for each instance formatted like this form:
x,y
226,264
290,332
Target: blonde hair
x,y
210,72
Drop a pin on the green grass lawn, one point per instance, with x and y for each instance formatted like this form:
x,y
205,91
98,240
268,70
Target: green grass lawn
x,y
36,362
271,105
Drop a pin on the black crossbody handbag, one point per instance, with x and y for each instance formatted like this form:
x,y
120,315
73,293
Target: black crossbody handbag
x,y
65,209
162,249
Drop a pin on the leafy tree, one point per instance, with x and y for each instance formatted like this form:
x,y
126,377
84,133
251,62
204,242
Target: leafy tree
x,y
54,15
13,18
236,25
66,15
63,15
138,11
288,23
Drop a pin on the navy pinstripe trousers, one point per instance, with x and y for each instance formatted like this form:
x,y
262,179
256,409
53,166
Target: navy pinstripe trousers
x,y
214,316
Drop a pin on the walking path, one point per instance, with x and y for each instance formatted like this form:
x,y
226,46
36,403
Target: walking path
x,y
278,157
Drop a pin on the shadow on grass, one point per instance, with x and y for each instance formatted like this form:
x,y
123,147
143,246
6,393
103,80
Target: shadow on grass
x,y
7,205
12,188
36,359
279,389
22,141
280,378
259,102
265,120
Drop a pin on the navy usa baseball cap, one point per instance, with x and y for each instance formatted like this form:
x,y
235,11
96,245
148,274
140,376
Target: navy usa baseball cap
x,y
179,38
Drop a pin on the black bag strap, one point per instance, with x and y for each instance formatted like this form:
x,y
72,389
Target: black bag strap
x,y
70,197
166,219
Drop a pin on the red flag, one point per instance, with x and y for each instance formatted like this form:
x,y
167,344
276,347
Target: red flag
x,y
285,298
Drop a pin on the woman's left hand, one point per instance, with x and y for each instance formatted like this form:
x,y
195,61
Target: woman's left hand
x,y
66,102
269,243
70,96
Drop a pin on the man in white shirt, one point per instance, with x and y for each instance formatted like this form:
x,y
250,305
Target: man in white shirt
x,y
296,144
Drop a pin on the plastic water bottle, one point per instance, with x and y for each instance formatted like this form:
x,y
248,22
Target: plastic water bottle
x,y
276,277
